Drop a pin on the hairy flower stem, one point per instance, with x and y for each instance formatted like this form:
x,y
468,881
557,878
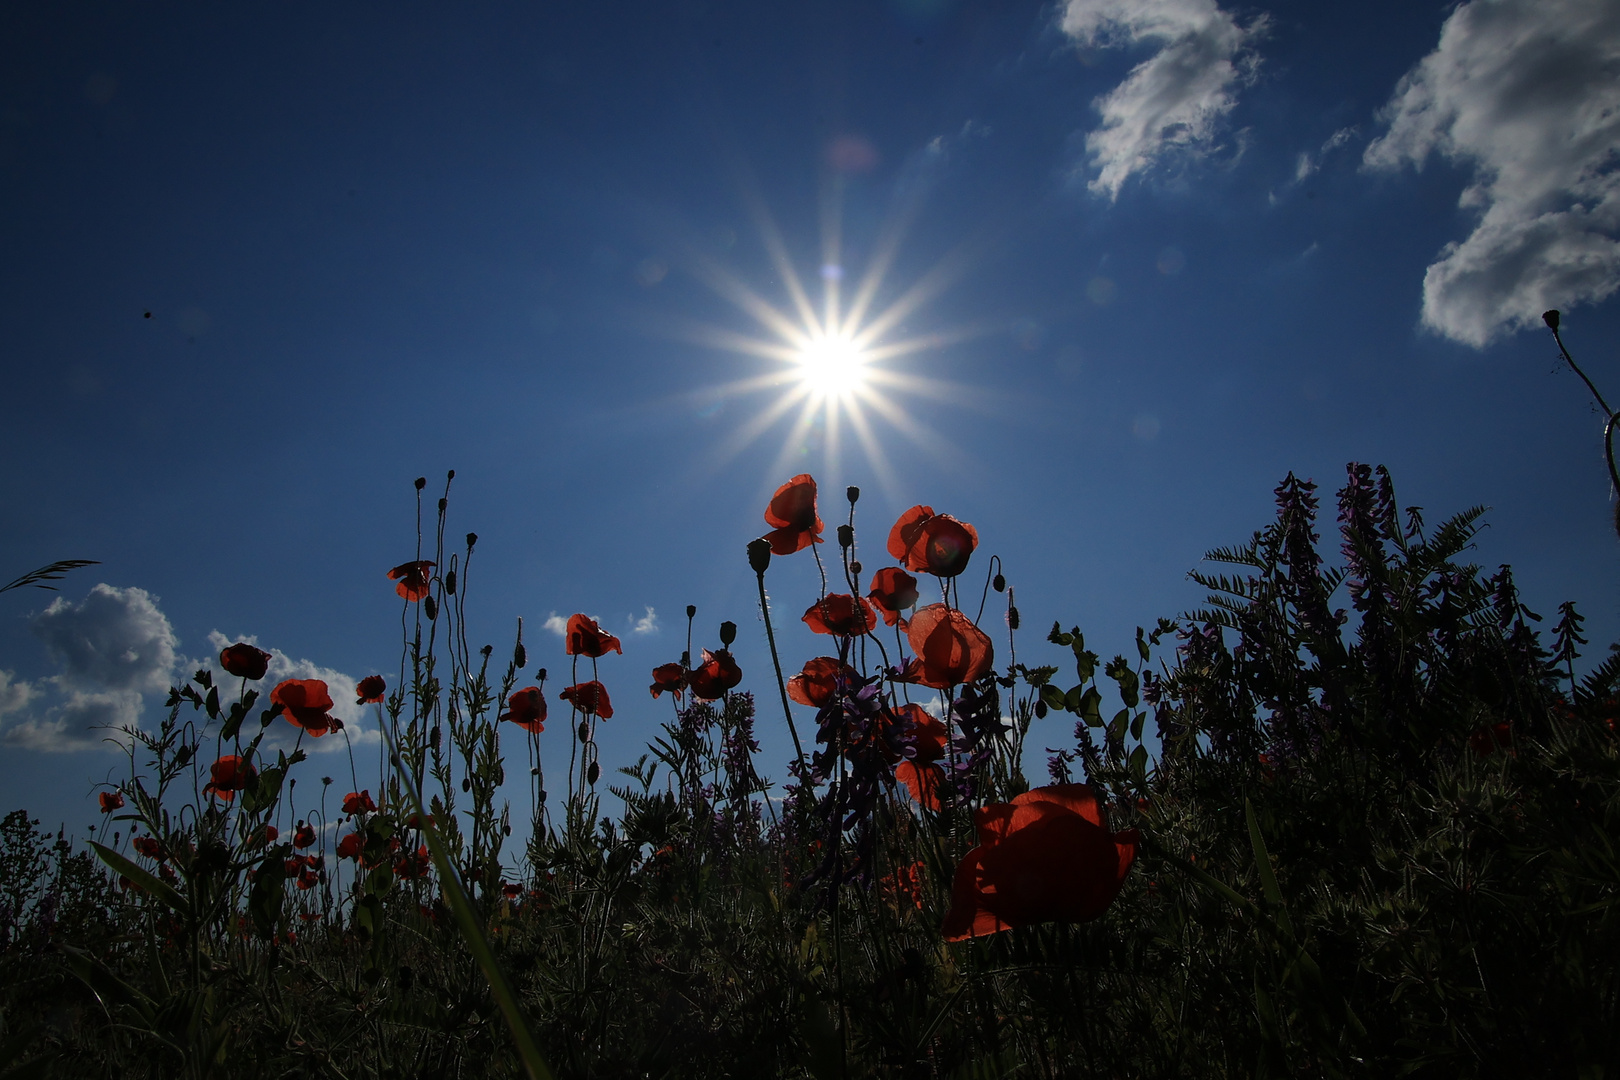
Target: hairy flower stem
x,y
781,684
1611,416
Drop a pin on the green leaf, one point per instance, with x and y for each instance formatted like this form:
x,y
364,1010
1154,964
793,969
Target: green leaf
x,y
1116,726
1138,764
265,898
150,883
1057,636
1054,697
1141,646
1137,723
1262,861
1091,707
380,880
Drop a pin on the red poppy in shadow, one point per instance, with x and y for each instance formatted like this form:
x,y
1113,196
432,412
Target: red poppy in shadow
x,y
841,615
370,689
229,775
949,648
1487,740
590,698
814,685
244,661
923,781
670,677
413,578
1047,856
527,709
792,516
413,864
303,836
349,847
585,638
110,801
358,802
926,542
711,679
893,591
904,884
305,702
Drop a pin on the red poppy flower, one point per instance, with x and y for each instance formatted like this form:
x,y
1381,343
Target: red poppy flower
x,y
510,891
307,880
305,702
110,801
893,590
792,516
150,847
269,834
711,679
1486,740
590,698
814,686
349,847
904,884
230,774
922,779
415,821
304,836
413,578
671,677
926,736
244,661
358,802
1047,856
413,864
585,638
949,648
527,709
931,543
841,615
370,689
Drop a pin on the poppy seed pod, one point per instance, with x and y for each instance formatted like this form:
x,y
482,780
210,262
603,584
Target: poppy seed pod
x,y
853,494
451,475
421,482
759,555
472,538
846,536
1040,709
855,567
1550,318
443,503
691,611
728,633
541,674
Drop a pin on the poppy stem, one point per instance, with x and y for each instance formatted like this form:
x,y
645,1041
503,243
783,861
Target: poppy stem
x,y
776,661
1608,430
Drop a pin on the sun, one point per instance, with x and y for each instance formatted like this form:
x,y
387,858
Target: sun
x,y
832,367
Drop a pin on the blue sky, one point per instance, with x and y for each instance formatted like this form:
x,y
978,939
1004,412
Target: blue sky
x,y
1172,250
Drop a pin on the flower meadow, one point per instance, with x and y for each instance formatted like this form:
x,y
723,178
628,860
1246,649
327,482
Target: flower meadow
x,y
1347,819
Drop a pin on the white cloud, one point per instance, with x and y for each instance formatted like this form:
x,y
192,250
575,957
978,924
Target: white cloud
x,y
1309,163
113,639
15,694
49,737
556,624
1526,94
1174,101
647,624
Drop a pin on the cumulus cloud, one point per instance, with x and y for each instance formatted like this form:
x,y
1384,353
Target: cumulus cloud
x,y
1525,94
110,649
1309,163
113,639
647,624
1172,103
556,624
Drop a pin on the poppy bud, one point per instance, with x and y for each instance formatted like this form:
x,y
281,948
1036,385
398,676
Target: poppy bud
x,y
1040,709
182,755
451,475
442,504
541,674
855,567
542,794
846,536
691,611
998,583
466,785
472,538
584,731
450,582
852,493
433,737
728,633
759,554
421,482
1012,618
520,656
430,608
686,658
1550,318
593,773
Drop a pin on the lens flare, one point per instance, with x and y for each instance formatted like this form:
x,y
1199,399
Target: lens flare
x,y
832,367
